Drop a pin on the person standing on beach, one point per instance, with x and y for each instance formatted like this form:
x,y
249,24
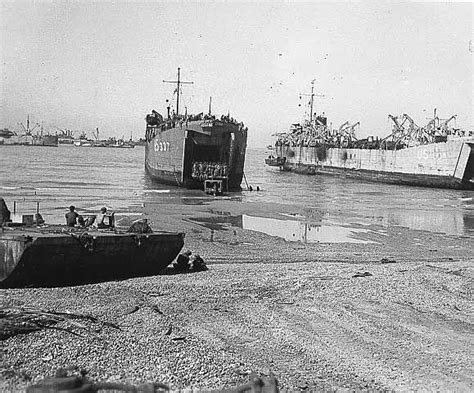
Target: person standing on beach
x,y
71,217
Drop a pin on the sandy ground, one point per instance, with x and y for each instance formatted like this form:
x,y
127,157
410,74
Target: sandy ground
x,y
268,305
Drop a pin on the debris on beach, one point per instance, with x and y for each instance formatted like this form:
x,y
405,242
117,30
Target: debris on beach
x,y
131,310
184,263
14,321
258,384
140,226
198,264
362,274
64,382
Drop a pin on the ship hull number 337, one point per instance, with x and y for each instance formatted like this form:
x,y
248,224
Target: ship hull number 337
x,y
161,146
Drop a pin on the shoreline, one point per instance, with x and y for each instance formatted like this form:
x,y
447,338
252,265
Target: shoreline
x,y
268,305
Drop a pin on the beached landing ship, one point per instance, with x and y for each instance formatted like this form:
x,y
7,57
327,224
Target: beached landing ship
x,y
187,150
52,256
435,155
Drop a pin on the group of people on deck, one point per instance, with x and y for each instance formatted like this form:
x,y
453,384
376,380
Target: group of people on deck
x,y
209,170
73,218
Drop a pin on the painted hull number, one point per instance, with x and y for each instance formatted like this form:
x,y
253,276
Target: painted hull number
x,y
161,146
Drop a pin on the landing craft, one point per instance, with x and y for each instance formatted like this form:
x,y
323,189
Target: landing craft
x,y
38,255
188,150
435,155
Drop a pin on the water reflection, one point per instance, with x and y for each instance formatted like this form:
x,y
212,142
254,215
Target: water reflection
x,y
450,221
73,176
430,209
290,230
303,231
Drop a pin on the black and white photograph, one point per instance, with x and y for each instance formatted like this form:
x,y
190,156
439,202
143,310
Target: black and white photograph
x,y
236,196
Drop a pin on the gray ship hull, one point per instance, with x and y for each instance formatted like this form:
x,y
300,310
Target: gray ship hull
x,y
446,164
172,148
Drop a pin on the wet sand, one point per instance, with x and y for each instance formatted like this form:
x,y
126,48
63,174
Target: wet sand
x,y
269,305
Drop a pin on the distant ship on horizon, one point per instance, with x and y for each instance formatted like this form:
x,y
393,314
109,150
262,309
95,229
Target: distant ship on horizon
x,y
111,142
27,138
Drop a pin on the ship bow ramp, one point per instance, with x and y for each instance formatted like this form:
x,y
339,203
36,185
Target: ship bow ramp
x,y
189,152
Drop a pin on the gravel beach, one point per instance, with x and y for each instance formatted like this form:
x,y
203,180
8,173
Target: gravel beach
x,y
391,312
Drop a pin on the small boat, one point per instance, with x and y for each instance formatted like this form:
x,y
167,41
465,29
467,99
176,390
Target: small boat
x,y
120,144
275,161
55,256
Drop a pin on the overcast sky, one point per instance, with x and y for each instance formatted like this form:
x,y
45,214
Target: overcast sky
x,y
80,66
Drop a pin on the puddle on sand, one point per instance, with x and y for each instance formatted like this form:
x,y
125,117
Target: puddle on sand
x,y
290,230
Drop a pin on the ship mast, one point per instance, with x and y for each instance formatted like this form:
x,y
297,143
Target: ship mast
x,y
27,128
311,101
178,82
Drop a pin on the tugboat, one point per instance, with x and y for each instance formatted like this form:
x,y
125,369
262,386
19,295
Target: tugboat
x,y
434,155
188,150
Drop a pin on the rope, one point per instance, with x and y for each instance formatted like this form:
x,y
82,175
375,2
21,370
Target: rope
x,y
245,178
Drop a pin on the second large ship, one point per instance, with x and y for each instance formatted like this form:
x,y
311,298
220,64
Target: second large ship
x,y
188,150
434,155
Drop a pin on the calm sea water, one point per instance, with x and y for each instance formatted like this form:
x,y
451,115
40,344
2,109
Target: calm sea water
x,y
93,177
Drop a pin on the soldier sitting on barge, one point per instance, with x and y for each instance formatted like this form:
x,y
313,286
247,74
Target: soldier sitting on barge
x,y
100,219
71,216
